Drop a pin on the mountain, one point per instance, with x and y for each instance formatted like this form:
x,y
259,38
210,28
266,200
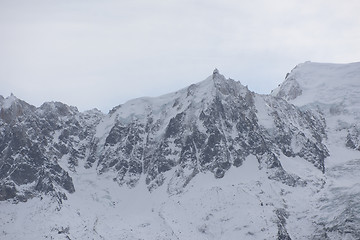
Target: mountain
x,y
334,90
210,161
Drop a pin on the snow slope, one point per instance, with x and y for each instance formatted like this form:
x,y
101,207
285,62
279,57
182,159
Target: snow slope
x,y
332,90
325,84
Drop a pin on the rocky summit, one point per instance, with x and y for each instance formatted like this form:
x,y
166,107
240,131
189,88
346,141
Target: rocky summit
x,y
211,161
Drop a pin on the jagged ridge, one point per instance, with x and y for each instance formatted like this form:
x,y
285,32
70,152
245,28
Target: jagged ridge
x,y
209,126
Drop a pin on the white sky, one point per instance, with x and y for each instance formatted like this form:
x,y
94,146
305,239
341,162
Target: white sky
x,y
100,54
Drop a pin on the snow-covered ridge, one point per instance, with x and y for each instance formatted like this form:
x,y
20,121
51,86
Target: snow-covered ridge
x,y
200,92
332,89
196,96
323,83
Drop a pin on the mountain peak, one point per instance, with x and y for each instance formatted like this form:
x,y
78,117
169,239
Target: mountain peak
x,y
13,107
216,71
217,77
9,101
323,83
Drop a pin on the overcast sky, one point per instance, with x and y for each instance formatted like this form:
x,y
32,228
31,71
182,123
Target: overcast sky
x,y
99,54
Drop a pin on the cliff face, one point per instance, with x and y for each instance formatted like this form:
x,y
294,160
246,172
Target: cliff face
x,y
32,142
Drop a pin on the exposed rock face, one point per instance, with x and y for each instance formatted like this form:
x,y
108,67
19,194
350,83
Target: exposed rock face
x,y
282,232
32,141
353,137
290,89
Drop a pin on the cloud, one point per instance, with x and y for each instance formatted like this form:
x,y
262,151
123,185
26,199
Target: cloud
x,y
102,53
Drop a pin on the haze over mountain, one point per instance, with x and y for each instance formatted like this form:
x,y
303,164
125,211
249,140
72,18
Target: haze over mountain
x,y
211,161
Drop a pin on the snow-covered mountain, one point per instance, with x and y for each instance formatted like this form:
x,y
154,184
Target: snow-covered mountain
x,y
334,90
210,161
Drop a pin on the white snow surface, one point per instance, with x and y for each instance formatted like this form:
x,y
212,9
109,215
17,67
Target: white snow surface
x,y
326,84
263,112
241,204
